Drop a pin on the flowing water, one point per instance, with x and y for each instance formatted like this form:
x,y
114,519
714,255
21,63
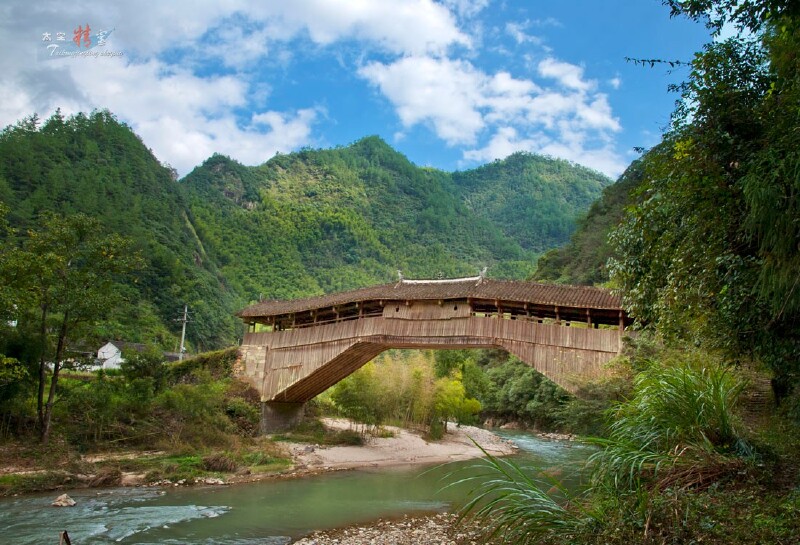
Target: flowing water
x,y
267,512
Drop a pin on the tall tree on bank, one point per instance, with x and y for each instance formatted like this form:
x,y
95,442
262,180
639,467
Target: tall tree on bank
x,y
66,273
710,253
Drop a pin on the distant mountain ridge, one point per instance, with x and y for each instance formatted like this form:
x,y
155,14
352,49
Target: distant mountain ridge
x,y
300,224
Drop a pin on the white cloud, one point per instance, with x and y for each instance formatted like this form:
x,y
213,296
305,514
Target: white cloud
x,y
615,82
412,52
185,117
503,143
463,105
440,92
466,8
506,140
384,24
568,75
517,31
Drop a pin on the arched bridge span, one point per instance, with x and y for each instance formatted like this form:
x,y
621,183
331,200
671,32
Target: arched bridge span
x,y
297,349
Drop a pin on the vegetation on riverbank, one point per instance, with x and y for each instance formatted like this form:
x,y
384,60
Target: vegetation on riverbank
x,y
682,463
705,256
153,421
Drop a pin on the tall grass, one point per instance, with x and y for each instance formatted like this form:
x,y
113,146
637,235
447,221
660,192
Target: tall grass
x,y
517,504
677,430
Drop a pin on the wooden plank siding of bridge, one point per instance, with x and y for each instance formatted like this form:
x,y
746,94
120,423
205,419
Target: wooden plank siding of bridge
x,y
307,345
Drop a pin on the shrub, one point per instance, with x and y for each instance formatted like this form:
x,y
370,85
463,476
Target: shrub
x,y
678,425
219,462
192,414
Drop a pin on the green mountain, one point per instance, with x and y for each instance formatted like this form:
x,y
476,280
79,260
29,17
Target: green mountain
x,y
534,200
96,165
301,224
583,259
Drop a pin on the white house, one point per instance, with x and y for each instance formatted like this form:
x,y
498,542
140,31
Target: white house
x,y
109,356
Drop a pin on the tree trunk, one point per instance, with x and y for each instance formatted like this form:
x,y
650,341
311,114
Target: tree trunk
x,y
51,396
42,368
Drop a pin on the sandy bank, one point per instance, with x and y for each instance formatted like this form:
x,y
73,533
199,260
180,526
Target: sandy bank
x,y
405,447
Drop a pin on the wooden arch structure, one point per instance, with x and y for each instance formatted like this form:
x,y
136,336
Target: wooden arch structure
x,y
295,350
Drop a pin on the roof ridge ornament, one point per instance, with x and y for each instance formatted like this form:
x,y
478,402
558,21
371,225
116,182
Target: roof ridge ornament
x,y
440,280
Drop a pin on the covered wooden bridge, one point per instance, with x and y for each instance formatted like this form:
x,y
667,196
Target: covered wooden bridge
x,y
297,349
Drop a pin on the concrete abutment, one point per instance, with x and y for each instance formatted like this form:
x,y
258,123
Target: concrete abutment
x,y
277,416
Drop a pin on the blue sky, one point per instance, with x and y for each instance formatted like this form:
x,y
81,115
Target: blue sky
x,y
451,84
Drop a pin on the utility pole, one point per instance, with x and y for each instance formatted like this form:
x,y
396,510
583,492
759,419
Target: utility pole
x,y
183,332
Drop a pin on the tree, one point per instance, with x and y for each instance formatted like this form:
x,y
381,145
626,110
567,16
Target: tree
x,y
450,401
709,253
67,272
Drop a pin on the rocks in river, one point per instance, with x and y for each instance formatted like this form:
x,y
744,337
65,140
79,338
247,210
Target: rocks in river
x,y
211,480
63,501
558,436
511,426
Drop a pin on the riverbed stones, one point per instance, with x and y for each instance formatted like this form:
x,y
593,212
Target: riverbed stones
x,y
439,529
63,501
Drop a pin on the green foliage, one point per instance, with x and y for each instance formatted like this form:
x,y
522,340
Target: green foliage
x,y
218,363
513,506
193,415
450,401
670,472
301,224
585,413
146,405
401,388
520,393
244,413
358,397
678,424
95,165
26,483
64,276
11,372
534,200
325,220
708,254
146,365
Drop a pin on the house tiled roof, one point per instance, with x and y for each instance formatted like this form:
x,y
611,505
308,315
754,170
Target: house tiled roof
x,y
583,297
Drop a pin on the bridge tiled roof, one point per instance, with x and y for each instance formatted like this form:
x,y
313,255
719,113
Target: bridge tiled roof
x,y
433,290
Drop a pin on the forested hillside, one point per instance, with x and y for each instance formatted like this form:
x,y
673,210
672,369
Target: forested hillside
x,y
98,166
533,199
301,224
583,260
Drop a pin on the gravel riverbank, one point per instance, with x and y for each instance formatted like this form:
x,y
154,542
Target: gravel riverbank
x,y
438,529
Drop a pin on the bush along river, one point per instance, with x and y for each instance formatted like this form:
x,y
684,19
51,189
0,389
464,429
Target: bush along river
x,y
268,512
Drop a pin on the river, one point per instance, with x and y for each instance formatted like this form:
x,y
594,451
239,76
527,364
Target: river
x,y
267,512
